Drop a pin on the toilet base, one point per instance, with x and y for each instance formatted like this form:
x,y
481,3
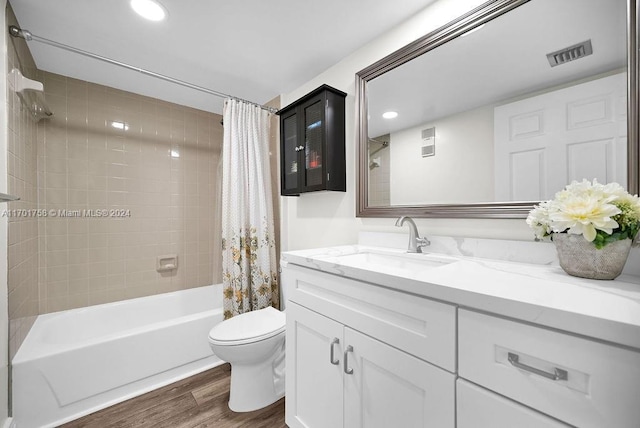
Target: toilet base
x,y
254,386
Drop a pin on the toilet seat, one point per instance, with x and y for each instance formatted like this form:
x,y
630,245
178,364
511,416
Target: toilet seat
x,y
248,327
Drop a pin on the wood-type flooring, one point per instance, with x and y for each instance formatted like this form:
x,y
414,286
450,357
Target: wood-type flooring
x,y
199,401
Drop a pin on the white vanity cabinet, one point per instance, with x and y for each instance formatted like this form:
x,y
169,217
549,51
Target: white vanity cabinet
x,y
472,344
339,376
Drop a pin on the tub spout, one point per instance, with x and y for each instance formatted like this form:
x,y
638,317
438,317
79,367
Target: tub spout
x,y
415,241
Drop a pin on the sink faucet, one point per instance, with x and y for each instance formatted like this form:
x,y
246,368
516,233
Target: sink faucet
x,y
415,241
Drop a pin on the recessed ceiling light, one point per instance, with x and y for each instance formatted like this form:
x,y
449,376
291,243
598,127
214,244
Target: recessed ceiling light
x,y
390,114
149,9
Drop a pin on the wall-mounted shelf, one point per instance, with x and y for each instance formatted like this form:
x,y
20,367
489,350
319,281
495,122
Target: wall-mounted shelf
x,y
31,93
8,198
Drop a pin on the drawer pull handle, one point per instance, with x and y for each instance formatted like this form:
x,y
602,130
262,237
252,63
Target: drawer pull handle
x,y
558,374
332,357
347,370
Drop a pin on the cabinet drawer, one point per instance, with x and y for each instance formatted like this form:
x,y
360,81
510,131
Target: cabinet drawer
x,y
418,326
481,408
579,381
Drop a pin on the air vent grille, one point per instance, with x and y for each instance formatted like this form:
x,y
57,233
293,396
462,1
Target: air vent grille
x,y
570,54
428,151
428,133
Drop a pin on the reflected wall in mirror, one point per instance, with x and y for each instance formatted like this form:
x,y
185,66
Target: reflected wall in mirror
x,y
501,109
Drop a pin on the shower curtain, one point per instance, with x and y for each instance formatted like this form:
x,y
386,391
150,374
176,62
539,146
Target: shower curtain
x,y
249,269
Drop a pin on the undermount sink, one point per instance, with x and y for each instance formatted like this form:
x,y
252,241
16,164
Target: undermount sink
x,y
407,263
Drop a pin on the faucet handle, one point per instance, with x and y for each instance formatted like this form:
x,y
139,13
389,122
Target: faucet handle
x,y
421,242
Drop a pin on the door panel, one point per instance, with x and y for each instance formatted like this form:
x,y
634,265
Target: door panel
x,y
389,388
313,143
314,386
544,142
290,167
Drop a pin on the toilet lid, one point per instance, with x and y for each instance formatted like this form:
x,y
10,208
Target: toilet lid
x,y
249,327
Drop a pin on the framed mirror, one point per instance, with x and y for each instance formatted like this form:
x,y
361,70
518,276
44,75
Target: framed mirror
x,y
500,109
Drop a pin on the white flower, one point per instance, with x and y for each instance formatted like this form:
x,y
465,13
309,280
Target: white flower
x,y
539,221
587,208
631,201
580,215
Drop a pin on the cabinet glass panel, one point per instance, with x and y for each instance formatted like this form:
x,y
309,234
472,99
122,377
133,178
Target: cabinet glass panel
x,y
290,154
313,143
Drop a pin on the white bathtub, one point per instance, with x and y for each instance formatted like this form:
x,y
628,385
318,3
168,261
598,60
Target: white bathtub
x,y
75,362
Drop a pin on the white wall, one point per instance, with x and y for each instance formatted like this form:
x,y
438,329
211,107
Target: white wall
x,y
4,312
329,218
461,169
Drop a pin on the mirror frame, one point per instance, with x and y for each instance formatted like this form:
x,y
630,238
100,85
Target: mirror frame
x,y
476,17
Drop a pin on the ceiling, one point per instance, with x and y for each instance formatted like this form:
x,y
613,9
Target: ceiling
x,y
504,59
251,49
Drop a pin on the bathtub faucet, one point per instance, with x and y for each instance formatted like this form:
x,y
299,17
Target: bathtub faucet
x,y
415,241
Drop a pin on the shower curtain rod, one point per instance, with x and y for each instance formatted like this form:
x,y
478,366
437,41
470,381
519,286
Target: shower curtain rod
x,y
28,36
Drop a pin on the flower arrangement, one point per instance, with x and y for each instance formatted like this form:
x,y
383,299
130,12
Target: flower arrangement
x,y
602,213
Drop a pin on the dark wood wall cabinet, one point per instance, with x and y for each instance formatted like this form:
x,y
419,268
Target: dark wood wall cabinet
x,y
312,143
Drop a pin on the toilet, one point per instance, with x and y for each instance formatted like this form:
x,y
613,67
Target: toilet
x,y
253,343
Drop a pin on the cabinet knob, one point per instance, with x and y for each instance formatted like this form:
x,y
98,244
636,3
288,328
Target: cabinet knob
x,y
332,355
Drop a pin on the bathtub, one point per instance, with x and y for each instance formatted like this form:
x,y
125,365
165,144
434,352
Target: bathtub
x,y
75,362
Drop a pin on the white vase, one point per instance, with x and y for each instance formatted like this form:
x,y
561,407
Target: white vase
x,y
579,257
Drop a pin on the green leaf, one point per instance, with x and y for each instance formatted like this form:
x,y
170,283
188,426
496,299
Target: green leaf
x,y
602,239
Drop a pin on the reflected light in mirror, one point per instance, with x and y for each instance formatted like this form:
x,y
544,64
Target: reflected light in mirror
x,y
120,125
149,9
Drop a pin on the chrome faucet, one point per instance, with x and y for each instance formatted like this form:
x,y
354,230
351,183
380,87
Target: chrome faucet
x,y
415,241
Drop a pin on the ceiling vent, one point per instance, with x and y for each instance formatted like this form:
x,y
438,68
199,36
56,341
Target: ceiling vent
x,y
570,54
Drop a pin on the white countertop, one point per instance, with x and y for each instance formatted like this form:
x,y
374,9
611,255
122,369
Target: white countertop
x,y
535,293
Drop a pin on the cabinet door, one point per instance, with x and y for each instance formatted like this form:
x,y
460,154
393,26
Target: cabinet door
x,y
389,388
290,148
314,397
313,132
480,408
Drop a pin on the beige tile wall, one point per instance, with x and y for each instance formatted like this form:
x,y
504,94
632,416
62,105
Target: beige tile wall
x,y
22,261
379,176
160,172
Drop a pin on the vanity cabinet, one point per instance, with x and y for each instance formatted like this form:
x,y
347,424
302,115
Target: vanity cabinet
x,y
380,352
312,143
340,376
